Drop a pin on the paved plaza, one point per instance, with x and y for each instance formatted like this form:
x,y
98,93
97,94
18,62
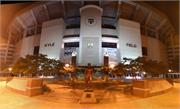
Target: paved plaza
x,y
63,97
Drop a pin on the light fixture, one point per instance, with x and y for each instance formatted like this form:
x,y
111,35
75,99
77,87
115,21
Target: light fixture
x,y
106,54
74,53
10,69
144,73
66,65
169,70
112,66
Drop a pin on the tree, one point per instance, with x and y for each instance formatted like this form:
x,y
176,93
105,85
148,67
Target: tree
x,y
119,69
140,65
37,64
55,66
152,67
20,66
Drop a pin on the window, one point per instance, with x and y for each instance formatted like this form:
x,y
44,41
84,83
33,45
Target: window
x,y
2,54
70,47
71,44
39,30
108,22
36,50
72,26
67,36
91,2
109,45
108,26
10,54
30,32
144,51
112,36
69,50
151,33
142,30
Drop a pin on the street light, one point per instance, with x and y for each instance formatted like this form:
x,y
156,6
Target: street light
x,y
67,65
169,70
10,69
112,66
144,73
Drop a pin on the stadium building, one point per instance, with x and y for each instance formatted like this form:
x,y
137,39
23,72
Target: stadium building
x,y
91,29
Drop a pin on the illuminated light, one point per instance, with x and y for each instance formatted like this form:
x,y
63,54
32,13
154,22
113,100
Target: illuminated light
x,y
74,39
67,65
144,73
169,70
138,77
112,66
10,69
128,69
136,72
42,76
40,67
134,68
108,39
74,53
129,77
62,46
118,46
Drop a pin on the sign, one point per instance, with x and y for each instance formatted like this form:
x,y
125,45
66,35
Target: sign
x,y
131,45
90,20
49,44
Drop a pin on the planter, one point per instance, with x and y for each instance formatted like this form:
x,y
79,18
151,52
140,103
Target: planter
x,y
25,86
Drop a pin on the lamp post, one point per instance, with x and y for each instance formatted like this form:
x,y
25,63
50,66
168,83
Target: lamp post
x,y
10,69
112,66
73,59
169,70
106,66
73,62
67,65
106,59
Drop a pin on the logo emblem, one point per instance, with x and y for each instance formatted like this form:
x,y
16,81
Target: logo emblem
x,y
91,21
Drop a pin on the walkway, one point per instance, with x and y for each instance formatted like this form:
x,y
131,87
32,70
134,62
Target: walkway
x,y
65,98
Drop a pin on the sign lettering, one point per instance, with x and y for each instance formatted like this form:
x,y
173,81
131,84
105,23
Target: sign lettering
x,y
131,45
49,44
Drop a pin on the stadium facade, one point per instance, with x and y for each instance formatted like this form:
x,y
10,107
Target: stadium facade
x,y
91,34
